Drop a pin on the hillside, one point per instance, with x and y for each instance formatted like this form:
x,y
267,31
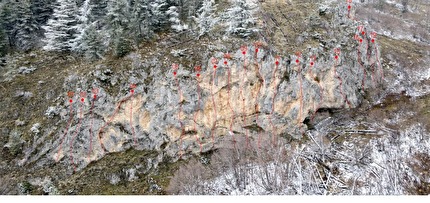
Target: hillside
x,y
314,97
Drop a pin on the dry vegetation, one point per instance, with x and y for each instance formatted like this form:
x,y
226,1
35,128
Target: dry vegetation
x,y
402,17
313,167
333,160
284,22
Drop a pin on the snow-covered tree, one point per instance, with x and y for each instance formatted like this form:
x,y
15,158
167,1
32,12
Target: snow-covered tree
x,y
22,21
140,22
88,41
118,21
159,17
3,42
206,17
9,19
26,26
121,43
93,46
61,28
239,18
81,26
84,13
98,12
118,15
175,21
42,11
190,7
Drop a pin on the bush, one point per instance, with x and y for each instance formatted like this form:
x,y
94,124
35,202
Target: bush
x,y
189,179
236,168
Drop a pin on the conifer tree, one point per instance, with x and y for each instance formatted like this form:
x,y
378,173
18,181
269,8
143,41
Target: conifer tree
x,y
26,26
93,46
239,18
206,18
118,14
81,26
159,18
190,7
141,20
3,42
42,11
9,19
175,21
61,28
88,40
122,45
98,12
118,21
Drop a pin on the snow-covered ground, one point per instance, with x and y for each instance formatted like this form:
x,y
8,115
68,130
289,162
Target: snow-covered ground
x,y
380,164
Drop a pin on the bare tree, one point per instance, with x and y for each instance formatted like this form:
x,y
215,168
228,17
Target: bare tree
x,y
189,179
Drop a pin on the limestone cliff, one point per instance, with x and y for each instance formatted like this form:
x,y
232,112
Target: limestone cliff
x,y
250,92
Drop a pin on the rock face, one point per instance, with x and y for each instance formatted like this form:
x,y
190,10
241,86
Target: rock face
x,y
110,140
251,92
